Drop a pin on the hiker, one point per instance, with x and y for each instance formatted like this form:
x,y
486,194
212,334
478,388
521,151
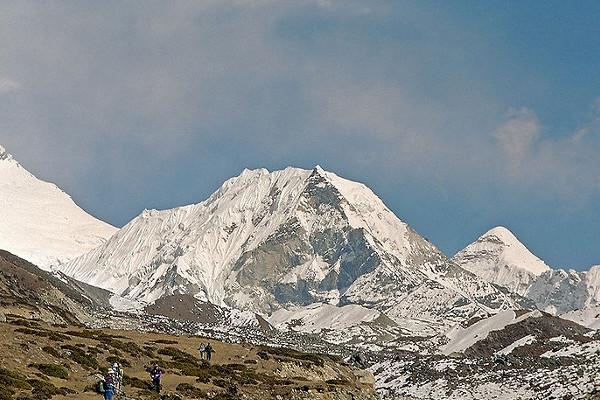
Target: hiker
x,y
110,377
118,376
108,385
202,349
155,375
209,350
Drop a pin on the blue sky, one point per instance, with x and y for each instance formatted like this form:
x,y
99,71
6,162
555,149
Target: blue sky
x,y
460,115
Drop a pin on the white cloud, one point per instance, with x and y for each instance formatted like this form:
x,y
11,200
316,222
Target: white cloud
x,y
517,134
562,164
8,85
591,126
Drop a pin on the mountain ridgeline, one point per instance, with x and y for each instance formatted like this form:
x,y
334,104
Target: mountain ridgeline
x,y
41,223
288,239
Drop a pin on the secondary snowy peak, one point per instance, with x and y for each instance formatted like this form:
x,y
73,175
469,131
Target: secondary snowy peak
x,y
41,223
499,257
513,252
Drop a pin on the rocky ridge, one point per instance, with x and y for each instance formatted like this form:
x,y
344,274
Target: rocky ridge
x,y
30,292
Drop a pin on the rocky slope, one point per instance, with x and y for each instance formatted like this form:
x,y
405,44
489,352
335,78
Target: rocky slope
x,y
41,223
524,355
290,239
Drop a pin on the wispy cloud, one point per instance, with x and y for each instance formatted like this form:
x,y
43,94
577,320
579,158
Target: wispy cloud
x,y
565,164
8,85
591,126
517,134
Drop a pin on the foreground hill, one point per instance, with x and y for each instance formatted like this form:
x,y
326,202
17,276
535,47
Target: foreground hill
x,y
41,223
42,361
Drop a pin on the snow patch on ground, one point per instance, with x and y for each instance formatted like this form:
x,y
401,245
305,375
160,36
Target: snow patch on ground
x,y
125,305
463,338
589,317
524,341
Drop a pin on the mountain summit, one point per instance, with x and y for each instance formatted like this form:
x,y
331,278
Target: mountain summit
x,y
41,223
291,238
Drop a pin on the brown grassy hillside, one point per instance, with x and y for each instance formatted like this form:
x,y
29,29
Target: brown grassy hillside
x,y
41,361
30,292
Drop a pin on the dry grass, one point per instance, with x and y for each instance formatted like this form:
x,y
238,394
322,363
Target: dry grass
x,y
60,362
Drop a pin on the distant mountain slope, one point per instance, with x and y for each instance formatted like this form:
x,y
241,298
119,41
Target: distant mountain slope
x,y
289,239
559,291
41,223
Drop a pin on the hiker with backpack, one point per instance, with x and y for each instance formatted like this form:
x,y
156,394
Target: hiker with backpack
x,y
106,386
118,377
155,375
202,349
209,350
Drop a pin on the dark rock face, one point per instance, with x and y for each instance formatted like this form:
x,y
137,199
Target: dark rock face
x,y
186,307
341,252
357,259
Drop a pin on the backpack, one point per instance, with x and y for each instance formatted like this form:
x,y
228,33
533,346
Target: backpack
x,y
100,387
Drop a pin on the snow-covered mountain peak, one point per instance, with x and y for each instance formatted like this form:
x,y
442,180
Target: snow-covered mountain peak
x,y
41,223
510,251
293,237
502,233
499,257
8,161
248,210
